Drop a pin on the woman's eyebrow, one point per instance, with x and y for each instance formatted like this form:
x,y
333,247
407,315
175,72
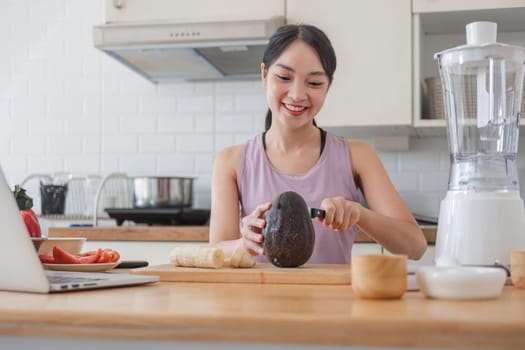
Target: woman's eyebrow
x,y
292,70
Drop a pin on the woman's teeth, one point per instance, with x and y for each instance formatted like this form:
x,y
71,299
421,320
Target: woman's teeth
x,y
295,108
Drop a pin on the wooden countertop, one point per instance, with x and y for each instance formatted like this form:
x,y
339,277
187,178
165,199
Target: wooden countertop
x,y
262,313
171,233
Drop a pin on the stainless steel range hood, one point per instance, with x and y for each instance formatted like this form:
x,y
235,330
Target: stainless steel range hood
x,y
189,51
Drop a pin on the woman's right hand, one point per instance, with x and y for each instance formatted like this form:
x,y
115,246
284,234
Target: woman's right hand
x,y
251,229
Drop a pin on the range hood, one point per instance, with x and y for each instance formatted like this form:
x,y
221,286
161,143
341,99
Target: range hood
x,y
189,51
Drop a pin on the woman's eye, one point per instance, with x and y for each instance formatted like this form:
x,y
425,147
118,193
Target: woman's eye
x,y
282,77
315,84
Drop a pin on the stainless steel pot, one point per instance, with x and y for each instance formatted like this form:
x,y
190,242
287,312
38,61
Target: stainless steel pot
x,y
162,192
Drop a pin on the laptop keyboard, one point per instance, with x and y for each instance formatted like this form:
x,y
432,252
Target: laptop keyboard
x,y
71,279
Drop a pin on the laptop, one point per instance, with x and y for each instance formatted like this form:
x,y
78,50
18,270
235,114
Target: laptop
x,y
21,269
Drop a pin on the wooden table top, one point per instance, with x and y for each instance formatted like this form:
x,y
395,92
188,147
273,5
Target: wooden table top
x,y
267,313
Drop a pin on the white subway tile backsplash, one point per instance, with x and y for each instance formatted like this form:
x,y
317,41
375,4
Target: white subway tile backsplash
x,y
81,165
83,86
195,104
110,85
224,103
243,87
13,163
119,144
91,106
15,87
28,107
64,144
234,122
204,88
52,10
142,124
156,144
4,108
179,123
156,104
176,89
45,126
45,165
62,107
90,145
119,104
223,141
134,84
405,181
65,105
418,160
251,103
138,164
46,87
204,123
110,164
176,165
194,143
82,125
204,163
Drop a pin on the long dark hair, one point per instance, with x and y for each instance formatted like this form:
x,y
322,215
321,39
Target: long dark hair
x,y
312,36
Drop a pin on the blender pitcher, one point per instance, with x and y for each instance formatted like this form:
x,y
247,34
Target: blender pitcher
x,y
482,217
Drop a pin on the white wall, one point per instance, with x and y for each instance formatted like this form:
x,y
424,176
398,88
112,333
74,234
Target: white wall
x,y
65,106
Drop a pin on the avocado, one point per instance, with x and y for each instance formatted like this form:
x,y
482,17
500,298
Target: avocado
x,y
289,235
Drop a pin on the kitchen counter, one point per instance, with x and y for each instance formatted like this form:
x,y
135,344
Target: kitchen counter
x,y
172,233
220,313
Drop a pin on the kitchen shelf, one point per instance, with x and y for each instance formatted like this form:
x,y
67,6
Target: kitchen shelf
x,y
439,25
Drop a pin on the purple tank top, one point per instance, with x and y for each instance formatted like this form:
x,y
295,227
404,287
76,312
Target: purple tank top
x,y
259,181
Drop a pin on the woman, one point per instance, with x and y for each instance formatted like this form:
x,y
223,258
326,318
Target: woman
x,y
293,154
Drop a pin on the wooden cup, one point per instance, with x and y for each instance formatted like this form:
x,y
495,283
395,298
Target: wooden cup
x,y
517,268
377,276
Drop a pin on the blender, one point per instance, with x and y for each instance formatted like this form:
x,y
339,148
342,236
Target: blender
x,y
482,217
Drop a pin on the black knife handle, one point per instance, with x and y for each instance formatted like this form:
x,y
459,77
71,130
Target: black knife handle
x,y
317,213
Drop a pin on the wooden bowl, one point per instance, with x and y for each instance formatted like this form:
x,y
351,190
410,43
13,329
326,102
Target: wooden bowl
x,y
517,268
377,276
44,246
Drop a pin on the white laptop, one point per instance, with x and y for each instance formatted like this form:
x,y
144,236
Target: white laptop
x,y
20,267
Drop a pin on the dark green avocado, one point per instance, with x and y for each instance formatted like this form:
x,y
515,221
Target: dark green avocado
x,y
289,235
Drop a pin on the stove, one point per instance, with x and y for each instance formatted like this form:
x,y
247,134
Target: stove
x,y
160,216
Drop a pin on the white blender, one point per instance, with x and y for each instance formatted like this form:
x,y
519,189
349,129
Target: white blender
x,y
482,217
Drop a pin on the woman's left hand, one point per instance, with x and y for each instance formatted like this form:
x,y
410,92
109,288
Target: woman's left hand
x,y
341,214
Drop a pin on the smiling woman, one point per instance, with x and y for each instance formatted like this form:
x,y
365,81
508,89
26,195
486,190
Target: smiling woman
x,y
293,154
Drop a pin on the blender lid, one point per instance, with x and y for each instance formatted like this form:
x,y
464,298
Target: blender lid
x,y
481,45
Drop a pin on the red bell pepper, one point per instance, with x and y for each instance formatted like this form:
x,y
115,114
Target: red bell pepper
x,y
25,203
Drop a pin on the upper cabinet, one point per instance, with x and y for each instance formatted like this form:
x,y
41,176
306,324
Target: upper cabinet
x,y
191,11
372,40
439,25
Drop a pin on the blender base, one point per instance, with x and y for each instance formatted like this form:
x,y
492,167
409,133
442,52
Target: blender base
x,y
480,228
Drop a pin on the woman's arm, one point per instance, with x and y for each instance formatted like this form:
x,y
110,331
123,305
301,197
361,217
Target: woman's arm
x,y
225,231
224,218
388,220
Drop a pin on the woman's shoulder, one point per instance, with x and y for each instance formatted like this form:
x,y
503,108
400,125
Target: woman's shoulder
x,y
230,153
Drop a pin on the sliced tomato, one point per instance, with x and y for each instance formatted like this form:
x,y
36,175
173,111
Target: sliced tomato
x,y
90,257
63,257
47,259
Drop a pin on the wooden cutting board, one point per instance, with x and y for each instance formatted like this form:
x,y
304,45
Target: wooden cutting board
x,y
260,273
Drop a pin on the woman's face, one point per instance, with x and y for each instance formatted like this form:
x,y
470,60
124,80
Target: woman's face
x,y
296,85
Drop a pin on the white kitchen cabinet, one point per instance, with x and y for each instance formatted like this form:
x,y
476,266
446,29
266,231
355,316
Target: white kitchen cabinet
x,y
439,25
372,40
191,11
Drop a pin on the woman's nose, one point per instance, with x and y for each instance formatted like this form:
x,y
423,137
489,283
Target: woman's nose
x,y
297,91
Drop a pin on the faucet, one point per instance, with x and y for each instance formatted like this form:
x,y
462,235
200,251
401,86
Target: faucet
x,y
99,191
